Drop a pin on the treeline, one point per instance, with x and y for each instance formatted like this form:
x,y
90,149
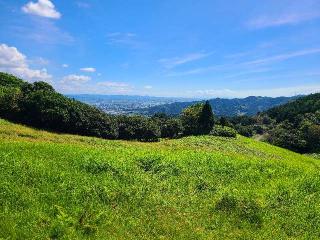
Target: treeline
x,y
39,105
295,125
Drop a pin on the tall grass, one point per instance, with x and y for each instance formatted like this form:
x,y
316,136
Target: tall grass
x,y
69,187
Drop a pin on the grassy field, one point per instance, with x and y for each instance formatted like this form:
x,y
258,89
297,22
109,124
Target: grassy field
x,y
55,186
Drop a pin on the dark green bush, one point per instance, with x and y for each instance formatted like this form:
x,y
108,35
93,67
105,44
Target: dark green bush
x,y
223,131
138,128
169,127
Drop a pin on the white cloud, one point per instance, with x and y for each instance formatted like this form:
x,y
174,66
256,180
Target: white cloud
x,y
88,69
65,65
43,8
13,61
173,62
147,87
73,78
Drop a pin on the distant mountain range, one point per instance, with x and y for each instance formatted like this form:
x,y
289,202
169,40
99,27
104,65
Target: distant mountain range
x,y
148,105
224,107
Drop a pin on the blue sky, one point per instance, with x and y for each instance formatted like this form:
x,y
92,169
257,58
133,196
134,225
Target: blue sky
x,y
185,48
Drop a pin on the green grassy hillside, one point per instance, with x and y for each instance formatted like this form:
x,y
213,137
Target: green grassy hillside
x,y
69,187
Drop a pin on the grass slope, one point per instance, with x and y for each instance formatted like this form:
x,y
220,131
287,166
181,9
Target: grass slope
x,y
69,187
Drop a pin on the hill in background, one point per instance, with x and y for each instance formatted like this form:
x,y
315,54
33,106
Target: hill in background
x,y
224,107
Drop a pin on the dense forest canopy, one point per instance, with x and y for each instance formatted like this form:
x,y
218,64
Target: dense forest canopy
x,y
295,125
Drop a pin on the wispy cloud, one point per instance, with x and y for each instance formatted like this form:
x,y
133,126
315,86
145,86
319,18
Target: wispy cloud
x,y
73,78
82,4
296,12
112,84
199,70
247,73
176,61
42,8
123,39
42,31
88,69
265,21
283,57
115,87
271,92
80,84
246,66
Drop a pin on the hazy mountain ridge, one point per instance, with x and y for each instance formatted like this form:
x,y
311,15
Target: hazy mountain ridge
x,y
225,107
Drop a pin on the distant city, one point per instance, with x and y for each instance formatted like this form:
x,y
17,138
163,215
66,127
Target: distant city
x,y
127,105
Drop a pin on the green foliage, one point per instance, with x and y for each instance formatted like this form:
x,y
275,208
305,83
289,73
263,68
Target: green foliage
x,y
285,135
9,105
294,126
197,119
39,105
224,121
289,111
56,186
246,131
222,131
42,107
297,124
313,137
206,119
8,80
138,128
169,127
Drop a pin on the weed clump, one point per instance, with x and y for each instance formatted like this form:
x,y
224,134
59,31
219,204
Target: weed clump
x,y
243,209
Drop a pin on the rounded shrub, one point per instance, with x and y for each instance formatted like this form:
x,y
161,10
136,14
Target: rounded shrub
x,y
225,131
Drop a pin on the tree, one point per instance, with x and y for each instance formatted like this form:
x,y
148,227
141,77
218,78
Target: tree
x,y
206,119
197,119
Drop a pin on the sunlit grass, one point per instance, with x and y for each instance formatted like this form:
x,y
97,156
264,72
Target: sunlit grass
x,y
71,187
